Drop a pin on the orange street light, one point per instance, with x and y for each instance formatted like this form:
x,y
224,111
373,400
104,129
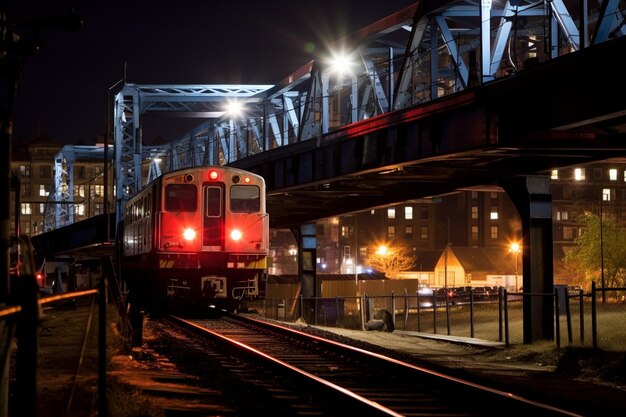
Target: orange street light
x,y
515,249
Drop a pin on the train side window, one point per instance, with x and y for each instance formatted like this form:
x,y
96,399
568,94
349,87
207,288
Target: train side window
x,y
245,199
149,205
213,199
181,197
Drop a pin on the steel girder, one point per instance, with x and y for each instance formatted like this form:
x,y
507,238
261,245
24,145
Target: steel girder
x,y
421,53
60,207
208,101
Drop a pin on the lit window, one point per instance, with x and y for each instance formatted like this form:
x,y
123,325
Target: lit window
x,y
562,215
474,232
606,194
613,174
494,213
391,213
391,232
424,232
42,208
494,232
579,174
79,190
408,213
26,209
408,231
555,174
474,212
42,191
80,209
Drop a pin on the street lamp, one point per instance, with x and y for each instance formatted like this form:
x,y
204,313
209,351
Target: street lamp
x,y
516,250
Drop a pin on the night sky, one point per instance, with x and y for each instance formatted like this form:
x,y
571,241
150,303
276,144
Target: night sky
x,y
63,88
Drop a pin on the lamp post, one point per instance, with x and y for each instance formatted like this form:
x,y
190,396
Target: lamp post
x,y
602,197
515,249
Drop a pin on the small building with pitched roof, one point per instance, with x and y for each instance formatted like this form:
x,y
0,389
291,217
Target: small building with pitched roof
x,y
477,267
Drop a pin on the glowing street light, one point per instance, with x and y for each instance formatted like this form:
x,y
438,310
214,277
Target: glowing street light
x,y
341,63
515,249
382,250
234,108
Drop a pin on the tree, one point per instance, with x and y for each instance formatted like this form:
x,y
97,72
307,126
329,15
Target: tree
x,y
391,261
589,254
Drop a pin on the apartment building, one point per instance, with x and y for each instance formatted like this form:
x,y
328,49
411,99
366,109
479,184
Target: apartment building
x,y
487,217
33,167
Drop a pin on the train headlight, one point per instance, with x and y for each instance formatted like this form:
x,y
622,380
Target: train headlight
x,y
189,234
235,234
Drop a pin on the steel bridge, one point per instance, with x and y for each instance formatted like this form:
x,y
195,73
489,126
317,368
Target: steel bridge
x,y
440,96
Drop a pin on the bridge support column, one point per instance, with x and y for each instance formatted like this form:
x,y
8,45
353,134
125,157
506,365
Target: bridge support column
x,y
531,195
307,256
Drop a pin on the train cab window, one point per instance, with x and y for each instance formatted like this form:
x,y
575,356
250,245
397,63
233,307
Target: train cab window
x,y
213,199
245,199
181,197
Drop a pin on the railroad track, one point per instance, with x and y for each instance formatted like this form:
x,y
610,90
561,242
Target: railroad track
x,y
295,373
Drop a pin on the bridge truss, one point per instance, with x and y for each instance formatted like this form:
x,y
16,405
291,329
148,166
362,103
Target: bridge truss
x,y
421,53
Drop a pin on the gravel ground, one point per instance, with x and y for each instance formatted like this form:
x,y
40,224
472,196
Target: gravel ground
x,y
578,380
582,381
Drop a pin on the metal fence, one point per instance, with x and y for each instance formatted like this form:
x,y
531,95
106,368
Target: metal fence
x,y
21,342
580,319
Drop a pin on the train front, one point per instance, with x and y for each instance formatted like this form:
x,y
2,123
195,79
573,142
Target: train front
x,y
213,253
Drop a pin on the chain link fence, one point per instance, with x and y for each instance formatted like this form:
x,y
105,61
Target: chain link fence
x,y
596,319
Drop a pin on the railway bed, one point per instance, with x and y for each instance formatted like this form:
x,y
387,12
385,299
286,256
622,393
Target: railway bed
x,y
251,386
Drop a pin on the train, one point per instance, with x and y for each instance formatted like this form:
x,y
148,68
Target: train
x,y
196,239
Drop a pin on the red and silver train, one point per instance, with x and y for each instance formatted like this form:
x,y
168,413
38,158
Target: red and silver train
x,y
196,238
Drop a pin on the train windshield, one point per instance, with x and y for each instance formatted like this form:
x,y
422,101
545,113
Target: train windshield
x,y
181,197
245,199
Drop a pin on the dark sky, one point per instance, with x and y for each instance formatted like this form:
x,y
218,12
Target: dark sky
x,y
63,87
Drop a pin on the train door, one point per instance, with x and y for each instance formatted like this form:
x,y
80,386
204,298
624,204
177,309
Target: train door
x,y
213,218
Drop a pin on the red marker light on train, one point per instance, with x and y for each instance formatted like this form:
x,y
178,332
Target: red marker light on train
x,y
247,180
213,174
235,234
189,234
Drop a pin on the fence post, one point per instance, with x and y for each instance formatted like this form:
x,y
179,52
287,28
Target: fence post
x,y
582,317
558,320
102,346
568,316
472,312
406,308
363,310
417,297
27,335
594,322
505,300
434,313
393,308
500,314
